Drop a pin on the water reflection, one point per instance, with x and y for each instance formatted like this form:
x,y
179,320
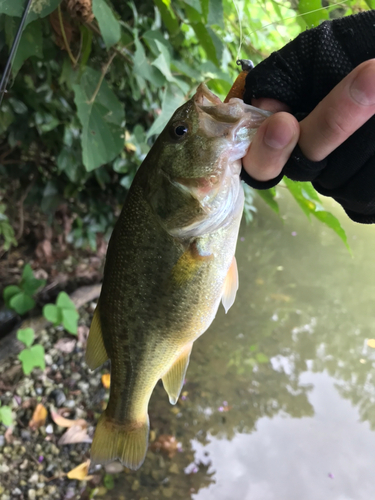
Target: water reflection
x,y
275,389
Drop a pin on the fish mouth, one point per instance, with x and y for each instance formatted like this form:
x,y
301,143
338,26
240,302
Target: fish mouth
x,y
204,96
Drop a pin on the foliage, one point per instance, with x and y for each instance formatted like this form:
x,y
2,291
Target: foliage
x,y
20,297
6,230
6,416
86,89
63,312
307,198
33,355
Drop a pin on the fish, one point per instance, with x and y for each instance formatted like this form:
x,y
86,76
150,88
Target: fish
x,y
169,264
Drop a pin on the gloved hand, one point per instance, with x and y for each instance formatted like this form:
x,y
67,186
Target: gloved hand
x,y
316,78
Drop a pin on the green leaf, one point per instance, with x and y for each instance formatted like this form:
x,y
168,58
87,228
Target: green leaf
x,y
102,134
309,201
109,26
32,358
41,8
210,42
38,8
109,482
12,8
86,45
215,13
143,68
31,44
26,336
268,195
52,313
6,416
9,292
312,12
172,99
29,283
70,320
64,302
195,4
21,303
163,62
167,15
70,163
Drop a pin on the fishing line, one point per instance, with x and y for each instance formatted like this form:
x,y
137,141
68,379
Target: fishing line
x,y
13,50
240,25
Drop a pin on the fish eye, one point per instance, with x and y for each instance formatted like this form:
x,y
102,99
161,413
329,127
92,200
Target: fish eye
x,y
179,130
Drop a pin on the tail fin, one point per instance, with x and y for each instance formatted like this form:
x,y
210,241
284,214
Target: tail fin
x,y
127,442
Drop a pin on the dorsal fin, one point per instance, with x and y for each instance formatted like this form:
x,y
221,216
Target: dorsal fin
x,y
174,378
96,353
230,286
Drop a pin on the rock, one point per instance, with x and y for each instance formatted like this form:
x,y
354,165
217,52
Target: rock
x,y
16,492
173,469
70,403
167,492
114,468
31,494
48,359
2,441
49,429
135,485
33,478
25,435
58,397
4,468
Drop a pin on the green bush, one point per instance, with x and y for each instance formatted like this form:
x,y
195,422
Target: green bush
x,y
64,313
87,100
33,355
20,297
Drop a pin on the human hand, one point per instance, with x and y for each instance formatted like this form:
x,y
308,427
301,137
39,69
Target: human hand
x,y
343,111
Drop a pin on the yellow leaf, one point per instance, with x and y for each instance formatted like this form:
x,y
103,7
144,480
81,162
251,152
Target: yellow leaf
x,y
39,417
80,472
371,343
66,422
106,380
129,146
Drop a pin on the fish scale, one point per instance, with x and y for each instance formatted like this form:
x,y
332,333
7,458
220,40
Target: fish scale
x,y
170,262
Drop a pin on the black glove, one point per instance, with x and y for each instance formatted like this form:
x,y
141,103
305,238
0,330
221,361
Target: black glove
x,y
301,74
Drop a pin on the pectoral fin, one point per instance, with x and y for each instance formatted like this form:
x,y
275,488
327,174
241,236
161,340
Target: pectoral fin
x,y
174,378
96,353
230,286
189,264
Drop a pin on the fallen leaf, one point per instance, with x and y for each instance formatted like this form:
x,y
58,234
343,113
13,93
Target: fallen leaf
x,y
8,435
80,472
106,380
82,334
65,345
66,422
39,417
371,343
166,444
75,434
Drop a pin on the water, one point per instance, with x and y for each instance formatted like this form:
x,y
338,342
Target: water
x,y
279,398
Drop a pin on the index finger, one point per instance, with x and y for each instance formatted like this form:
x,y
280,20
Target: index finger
x,y
343,111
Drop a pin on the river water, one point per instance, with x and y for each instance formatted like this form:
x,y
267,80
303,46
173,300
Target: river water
x,y
279,400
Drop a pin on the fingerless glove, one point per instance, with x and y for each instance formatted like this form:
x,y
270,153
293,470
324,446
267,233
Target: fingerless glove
x,y
301,74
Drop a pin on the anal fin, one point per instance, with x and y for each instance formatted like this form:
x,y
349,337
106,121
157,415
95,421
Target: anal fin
x,y
174,378
230,286
96,353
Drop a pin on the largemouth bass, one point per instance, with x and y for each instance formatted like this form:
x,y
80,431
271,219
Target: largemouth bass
x,y
170,262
